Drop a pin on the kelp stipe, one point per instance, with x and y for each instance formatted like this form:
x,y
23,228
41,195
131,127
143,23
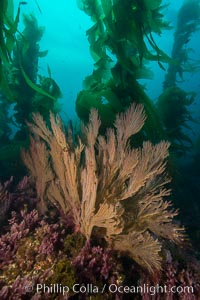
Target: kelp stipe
x,y
27,92
174,110
188,22
174,103
8,29
119,44
176,106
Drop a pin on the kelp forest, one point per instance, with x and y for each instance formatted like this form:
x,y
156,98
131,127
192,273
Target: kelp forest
x,y
107,208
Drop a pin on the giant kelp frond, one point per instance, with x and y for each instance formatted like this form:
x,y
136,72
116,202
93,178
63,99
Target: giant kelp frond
x,y
120,28
104,183
121,40
188,23
174,103
174,110
8,29
20,84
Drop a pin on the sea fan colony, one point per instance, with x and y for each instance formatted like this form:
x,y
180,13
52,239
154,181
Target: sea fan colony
x,y
104,184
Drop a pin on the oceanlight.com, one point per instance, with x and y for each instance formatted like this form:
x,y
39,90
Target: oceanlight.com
x,y
113,288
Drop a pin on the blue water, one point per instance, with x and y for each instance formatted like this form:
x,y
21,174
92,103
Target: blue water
x,y
69,57
65,39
